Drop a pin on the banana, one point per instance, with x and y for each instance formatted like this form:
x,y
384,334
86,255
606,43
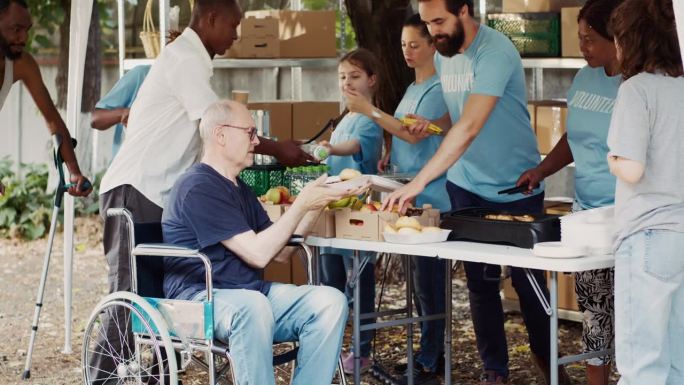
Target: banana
x,y
340,203
432,128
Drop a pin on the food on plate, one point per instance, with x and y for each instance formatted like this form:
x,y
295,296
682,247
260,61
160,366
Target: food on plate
x,y
408,231
349,173
510,218
431,229
390,229
432,128
524,218
277,195
409,222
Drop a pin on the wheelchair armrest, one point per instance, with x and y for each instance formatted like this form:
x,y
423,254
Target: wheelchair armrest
x,y
170,250
295,240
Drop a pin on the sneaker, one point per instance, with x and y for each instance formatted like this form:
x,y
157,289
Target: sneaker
x,y
490,377
420,377
348,363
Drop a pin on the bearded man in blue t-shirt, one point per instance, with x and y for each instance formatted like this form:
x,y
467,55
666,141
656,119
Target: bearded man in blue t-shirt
x,y
489,144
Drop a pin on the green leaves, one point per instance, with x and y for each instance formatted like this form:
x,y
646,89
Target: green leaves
x,y
26,206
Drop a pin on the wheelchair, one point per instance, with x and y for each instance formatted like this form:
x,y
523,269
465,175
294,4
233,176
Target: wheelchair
x,y
155,338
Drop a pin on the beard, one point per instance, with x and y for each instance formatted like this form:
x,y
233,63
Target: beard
x,y
450,44
6,50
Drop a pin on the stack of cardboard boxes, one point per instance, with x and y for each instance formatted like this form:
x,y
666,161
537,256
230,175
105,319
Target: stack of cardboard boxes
x,y
298,119
548,118
286,34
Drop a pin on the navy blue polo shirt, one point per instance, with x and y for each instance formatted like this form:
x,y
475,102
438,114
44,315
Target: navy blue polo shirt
x,y
205,208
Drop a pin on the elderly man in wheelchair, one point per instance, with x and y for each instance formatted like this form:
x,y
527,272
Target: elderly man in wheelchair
x,y
213,212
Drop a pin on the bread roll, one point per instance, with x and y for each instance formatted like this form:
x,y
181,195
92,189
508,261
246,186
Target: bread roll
x,y
408,231
349,173
390,229
408,222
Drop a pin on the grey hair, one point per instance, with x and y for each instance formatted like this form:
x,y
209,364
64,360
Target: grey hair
x,y
216,114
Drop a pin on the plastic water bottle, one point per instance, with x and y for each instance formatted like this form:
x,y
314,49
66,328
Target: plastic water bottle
x,y
320,153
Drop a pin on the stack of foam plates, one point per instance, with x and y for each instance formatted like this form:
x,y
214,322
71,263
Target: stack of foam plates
x,y
591,229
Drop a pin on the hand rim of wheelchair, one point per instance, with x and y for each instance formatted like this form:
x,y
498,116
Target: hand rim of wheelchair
x,y
162,341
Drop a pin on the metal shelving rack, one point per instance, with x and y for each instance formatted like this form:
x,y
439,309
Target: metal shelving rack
x,y
275,65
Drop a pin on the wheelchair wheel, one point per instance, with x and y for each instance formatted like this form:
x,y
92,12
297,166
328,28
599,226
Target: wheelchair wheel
x,y
127,342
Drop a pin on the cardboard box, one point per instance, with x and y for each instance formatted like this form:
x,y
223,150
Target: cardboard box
x,y
274,212
279,115
298,119
569,30
325,225
258,27
548,121
278,272
251,47
308,118
368,226
303,34
567,299
516,6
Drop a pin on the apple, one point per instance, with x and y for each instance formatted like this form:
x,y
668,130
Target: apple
x,y
368,208
274,195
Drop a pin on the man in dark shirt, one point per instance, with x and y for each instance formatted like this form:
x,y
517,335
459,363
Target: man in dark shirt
x,y
211,209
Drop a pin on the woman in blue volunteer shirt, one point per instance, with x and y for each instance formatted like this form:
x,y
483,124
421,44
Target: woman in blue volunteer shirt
x,y
409,154
590,106
356,143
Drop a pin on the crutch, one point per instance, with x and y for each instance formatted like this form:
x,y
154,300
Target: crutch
x,y
62,187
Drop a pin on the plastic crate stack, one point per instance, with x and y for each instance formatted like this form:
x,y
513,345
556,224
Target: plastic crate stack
x,y
534,34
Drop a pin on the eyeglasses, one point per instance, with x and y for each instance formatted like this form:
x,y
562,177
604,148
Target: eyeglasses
x,y
251,131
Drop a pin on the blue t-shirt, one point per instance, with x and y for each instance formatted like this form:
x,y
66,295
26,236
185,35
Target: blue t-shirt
x,y
424,99
204,209
506,145
122,95
369,135
590,107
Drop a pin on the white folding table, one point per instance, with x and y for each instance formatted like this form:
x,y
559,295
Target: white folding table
x,y
468,252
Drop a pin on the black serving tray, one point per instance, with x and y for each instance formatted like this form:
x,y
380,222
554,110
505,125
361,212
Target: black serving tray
x,y
470,225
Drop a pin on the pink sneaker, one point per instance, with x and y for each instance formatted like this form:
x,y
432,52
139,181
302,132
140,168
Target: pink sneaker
x,y
348,363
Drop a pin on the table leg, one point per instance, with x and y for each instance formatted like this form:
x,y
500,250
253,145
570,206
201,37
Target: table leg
x,y
357,321
409,313
554,328
447,324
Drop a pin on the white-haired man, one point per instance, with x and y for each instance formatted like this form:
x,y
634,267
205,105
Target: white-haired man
x,y
211,209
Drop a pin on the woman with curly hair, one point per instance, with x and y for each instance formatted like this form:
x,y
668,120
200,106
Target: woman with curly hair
x,y
646,142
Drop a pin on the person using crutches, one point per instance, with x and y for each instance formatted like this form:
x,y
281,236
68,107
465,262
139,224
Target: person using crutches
x,y
16,64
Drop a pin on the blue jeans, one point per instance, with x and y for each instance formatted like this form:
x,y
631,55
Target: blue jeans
x,y
484,291
429,275
251,322
336,270
649,308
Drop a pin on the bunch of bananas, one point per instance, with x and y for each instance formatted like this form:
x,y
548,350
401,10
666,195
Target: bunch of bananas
x,y
354,202
432,128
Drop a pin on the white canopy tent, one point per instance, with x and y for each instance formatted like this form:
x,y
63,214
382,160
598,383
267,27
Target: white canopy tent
x,y
81,11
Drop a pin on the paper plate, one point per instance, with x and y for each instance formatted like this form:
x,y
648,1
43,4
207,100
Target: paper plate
x,y
377,183
557,250
415,239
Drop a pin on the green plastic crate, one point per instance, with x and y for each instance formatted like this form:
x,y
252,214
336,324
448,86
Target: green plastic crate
x,y
260,178
533,34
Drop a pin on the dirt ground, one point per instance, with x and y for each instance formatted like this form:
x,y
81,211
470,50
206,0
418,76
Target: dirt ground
x,y
20,275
